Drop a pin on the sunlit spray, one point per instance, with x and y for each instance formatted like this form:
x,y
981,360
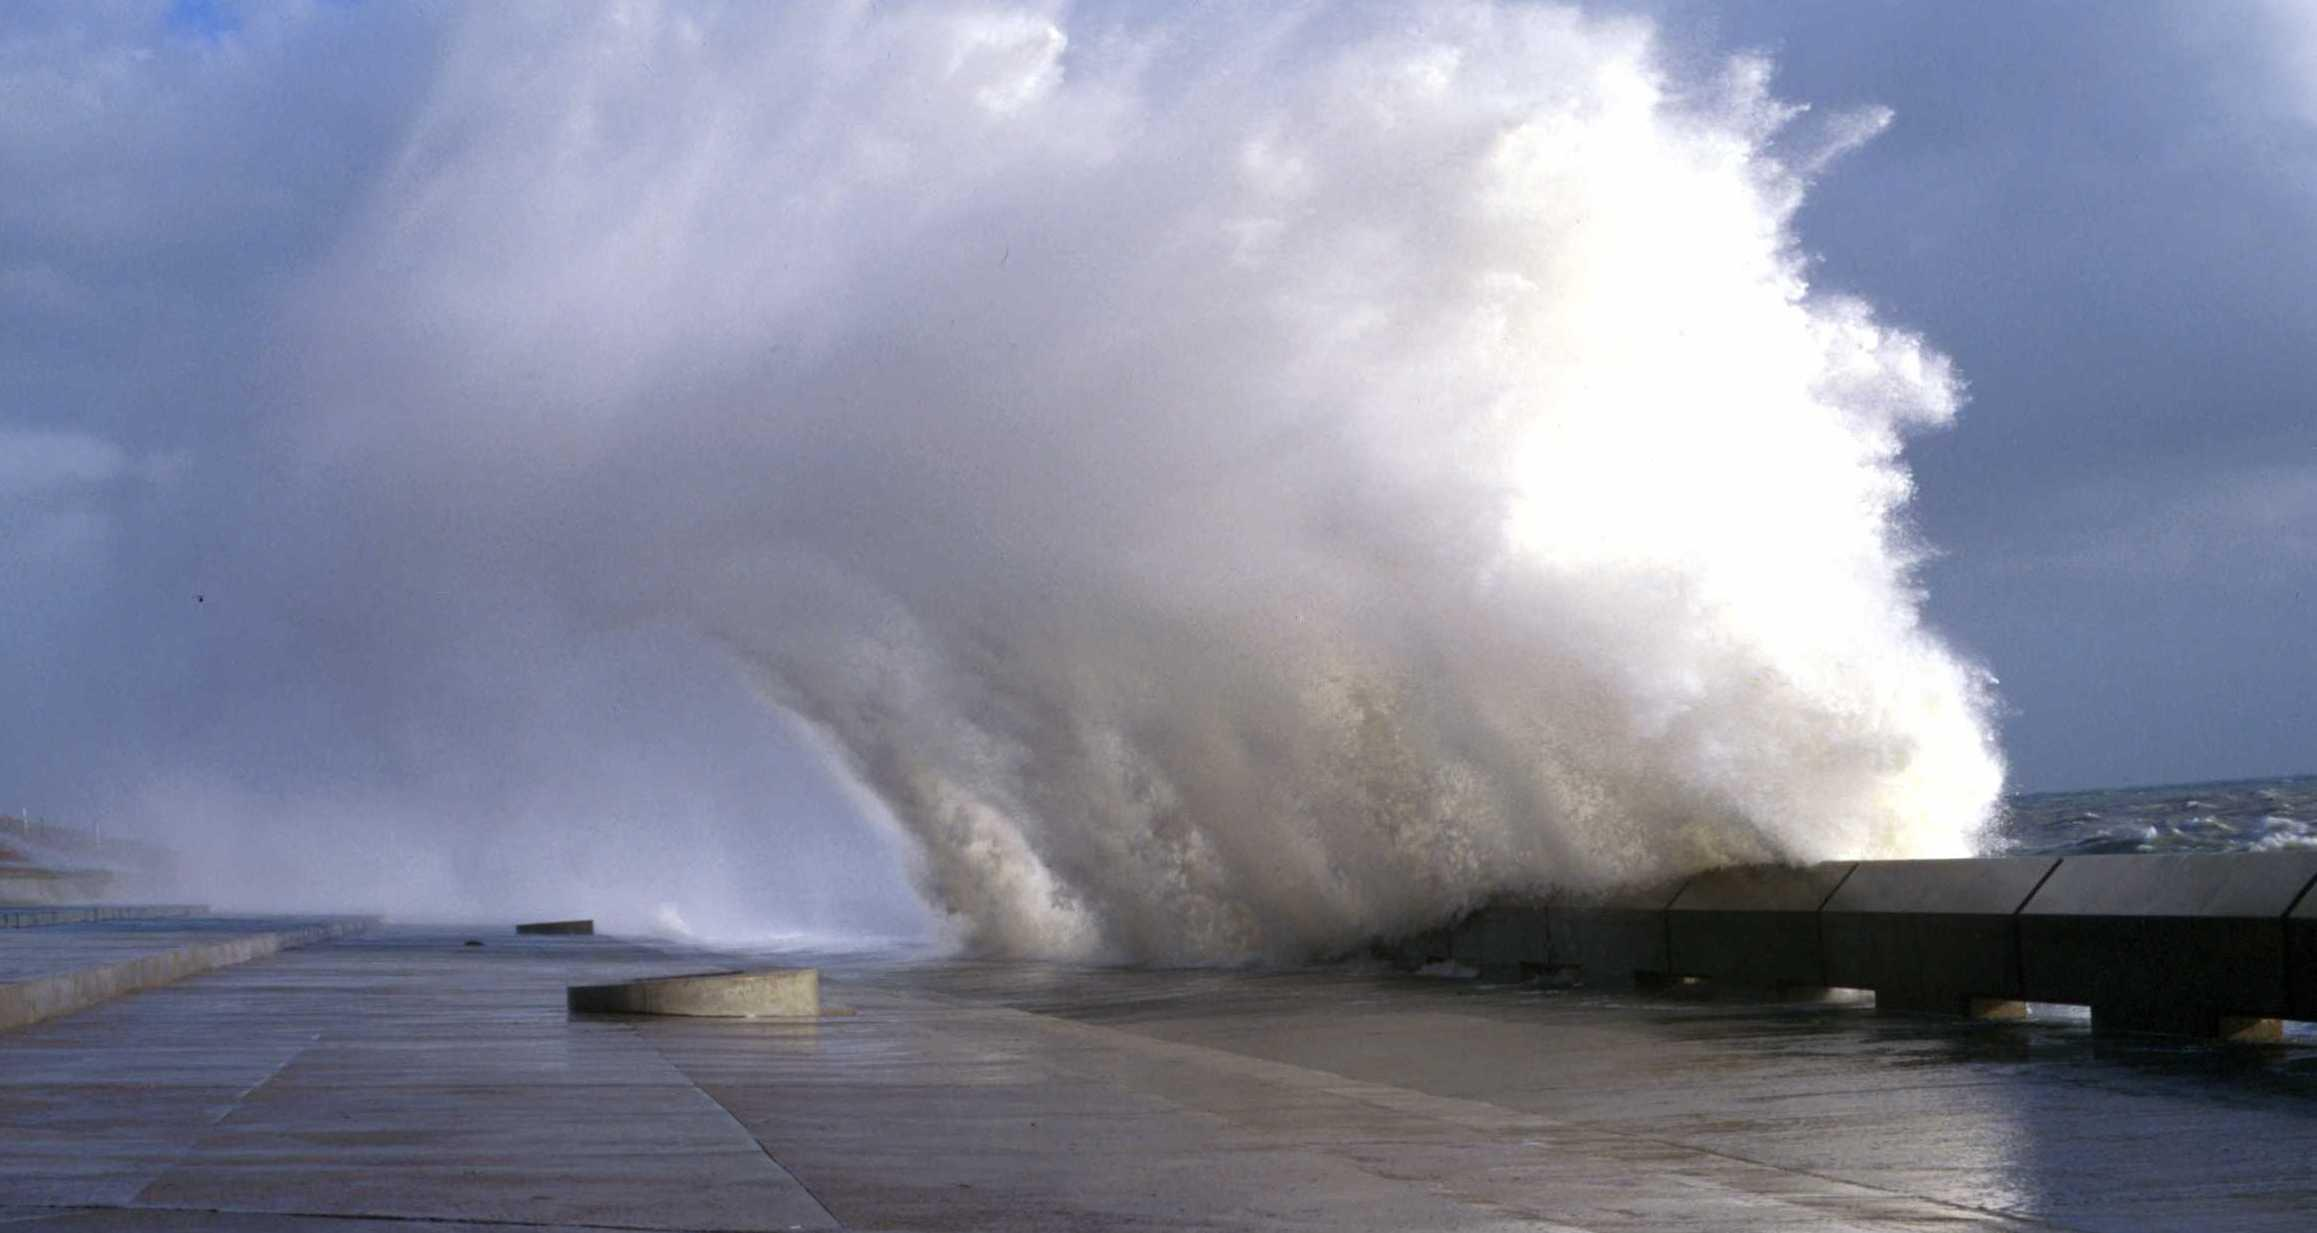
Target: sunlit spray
x,y
1220,483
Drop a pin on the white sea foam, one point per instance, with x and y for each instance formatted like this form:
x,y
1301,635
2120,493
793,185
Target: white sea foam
x,y
1220,483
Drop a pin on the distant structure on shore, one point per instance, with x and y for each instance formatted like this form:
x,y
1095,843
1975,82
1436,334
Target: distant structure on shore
x,y
44,863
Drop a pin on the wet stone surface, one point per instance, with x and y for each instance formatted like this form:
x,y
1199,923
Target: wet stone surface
x,y
401,1080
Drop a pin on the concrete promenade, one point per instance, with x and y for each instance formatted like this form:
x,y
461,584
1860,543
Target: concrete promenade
x,y
399,1081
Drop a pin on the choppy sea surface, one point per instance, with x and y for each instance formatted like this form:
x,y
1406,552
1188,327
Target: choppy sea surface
x,y
2243,815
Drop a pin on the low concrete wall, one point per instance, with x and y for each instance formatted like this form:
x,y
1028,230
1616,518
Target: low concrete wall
x,y
1753,926
2301,957
1617,941
30,1001
1936,936
2206,945
2193,945
1510,942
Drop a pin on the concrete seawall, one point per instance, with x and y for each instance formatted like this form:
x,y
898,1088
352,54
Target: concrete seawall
x,y
59,971
2204,945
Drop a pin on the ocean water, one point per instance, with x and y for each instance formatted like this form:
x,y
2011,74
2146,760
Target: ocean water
x,y
2241,815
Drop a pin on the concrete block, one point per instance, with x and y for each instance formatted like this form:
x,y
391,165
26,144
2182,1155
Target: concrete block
x,y
1502,941
1417,949
765,992
1512,942
1934,935
1464,937
557,926
2192,945
1753,926
1617,940
2301,956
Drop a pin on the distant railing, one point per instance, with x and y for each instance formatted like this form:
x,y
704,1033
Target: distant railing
x,y
79,845
2202,945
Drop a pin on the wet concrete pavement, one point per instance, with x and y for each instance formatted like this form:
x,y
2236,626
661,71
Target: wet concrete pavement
x,y
399,1080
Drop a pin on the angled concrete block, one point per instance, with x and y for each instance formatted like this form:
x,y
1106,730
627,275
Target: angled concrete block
x,y
1753,926
2301,956
1616,940
2192,945
766,992
1513,941
1935,935
1417,949
1464,937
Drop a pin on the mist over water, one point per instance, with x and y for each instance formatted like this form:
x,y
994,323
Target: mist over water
x,y
1214,485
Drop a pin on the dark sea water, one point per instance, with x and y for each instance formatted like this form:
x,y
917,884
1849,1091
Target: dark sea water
x,y
2244,815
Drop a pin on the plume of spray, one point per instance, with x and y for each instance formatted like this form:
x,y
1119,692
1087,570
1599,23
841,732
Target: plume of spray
x,y
1220,484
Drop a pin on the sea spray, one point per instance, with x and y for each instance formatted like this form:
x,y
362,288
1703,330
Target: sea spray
x,y
1221,482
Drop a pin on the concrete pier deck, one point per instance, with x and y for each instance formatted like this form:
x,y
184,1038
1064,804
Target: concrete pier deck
x,y
400,1080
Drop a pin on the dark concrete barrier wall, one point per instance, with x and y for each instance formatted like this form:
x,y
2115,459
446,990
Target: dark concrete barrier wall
x,y
1505,941
1514,941
1753,926
1416,950
2301,956
1617,941
2181,944
2197,945
1931,935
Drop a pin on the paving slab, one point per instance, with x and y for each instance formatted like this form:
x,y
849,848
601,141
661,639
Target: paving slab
x,y
408,1078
